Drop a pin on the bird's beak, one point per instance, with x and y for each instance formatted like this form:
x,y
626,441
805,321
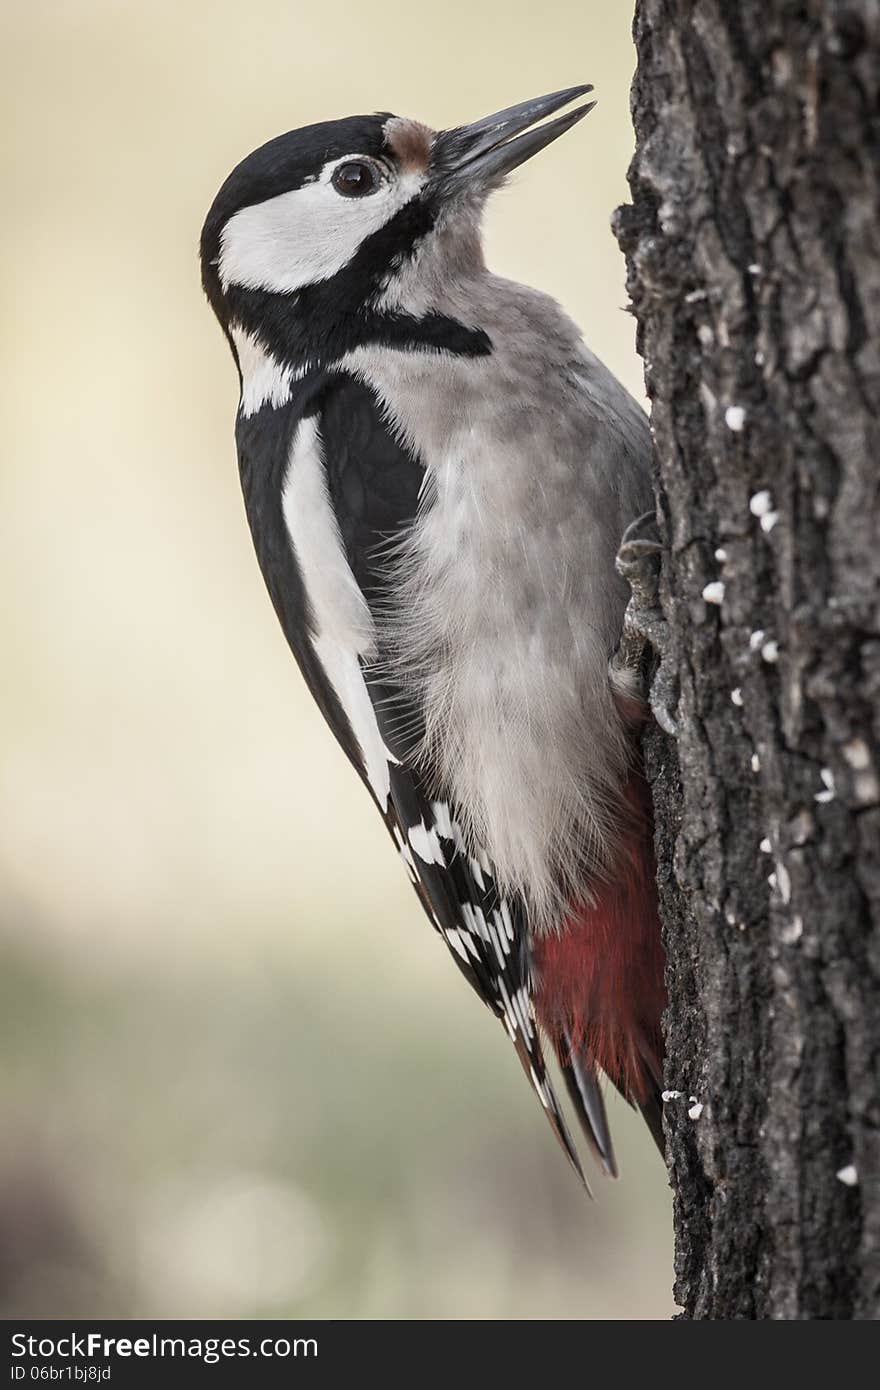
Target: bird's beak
x,y
478,156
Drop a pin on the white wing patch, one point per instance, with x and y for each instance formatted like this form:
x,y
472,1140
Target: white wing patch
x,y
426,844
343,626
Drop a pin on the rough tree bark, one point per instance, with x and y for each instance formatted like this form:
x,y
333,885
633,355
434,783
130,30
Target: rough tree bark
x,y
754,270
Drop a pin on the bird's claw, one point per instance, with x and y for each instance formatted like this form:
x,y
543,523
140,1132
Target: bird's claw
x,y
647,520
638,562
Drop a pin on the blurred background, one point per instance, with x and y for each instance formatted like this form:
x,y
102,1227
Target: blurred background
x,y
240,1075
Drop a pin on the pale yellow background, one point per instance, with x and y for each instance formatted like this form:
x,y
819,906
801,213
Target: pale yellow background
x,y
240,1074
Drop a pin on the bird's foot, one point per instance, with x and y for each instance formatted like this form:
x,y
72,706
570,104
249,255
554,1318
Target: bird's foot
x,y
638,562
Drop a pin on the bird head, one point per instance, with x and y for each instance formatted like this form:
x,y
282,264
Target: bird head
x,y
316,226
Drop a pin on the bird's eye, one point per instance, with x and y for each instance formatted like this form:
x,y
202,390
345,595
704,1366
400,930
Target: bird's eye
x,y
355,178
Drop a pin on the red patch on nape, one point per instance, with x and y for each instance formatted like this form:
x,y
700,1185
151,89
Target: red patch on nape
x,y
410,142
600,980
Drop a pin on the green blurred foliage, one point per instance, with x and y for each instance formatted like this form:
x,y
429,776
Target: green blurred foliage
x,y
239,1075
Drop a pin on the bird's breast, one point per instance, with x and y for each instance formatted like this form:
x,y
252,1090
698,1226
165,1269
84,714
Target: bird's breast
x,y
505,609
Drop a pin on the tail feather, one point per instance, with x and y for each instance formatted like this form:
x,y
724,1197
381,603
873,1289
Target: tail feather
x,y
584,1089
542,1087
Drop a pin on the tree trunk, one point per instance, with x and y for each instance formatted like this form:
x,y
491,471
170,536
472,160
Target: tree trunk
x,y
754,269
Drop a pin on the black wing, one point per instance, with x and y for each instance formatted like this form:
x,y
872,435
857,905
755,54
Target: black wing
x,y
374,485
263,442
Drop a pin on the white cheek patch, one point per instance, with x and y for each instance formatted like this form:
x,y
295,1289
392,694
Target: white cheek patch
x,y
308,234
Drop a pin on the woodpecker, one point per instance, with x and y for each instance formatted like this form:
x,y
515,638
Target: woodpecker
x,y
437,474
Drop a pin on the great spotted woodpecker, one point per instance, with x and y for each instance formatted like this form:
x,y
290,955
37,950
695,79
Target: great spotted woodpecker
x,y
437,474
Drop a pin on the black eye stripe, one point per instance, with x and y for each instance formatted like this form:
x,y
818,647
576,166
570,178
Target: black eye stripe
x,y
356,178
